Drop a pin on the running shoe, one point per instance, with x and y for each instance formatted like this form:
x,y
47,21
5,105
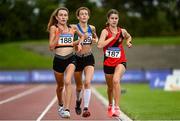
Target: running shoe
x,y
61,111
86,113
66,114
78,107
116,112
110,110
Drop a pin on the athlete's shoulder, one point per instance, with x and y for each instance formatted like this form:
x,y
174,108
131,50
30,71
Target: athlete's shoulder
x,y
122,29
92,27
53,27
104,32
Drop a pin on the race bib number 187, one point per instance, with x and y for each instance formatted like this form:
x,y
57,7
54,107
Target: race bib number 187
x,y
113,52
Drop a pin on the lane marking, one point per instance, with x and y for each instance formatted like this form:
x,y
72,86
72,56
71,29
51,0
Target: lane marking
x,y
6,89
47,108
105,102
27,92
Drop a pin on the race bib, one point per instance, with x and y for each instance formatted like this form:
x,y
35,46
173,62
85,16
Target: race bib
x,y
113,52
65,39
88,41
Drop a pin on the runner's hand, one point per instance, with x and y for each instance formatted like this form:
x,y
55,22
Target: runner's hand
x,y
129,44
79,47
114,35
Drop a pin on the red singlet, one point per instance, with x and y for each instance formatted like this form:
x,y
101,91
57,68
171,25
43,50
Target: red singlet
x,y
114,52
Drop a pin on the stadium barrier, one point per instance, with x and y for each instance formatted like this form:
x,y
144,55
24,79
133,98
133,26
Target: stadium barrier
x,y
156,77
38,76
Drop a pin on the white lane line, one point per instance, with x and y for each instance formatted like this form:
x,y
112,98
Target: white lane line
x,y
47,108
6,89
105,102
22,94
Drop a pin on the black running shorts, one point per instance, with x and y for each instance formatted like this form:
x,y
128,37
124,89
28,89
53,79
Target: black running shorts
x,y
83,61
61,62
110,70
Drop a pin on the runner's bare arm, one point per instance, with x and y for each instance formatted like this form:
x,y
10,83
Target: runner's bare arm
x,y
78,43
52,38
128,38
102,40
94,35
82,37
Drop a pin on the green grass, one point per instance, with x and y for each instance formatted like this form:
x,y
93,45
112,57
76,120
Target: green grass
x,y
14,56
142,103
157,40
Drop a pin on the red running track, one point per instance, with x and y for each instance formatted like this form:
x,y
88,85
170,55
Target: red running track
x,y
38,102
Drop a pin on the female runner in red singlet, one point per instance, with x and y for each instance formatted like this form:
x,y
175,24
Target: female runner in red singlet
x,y
111,40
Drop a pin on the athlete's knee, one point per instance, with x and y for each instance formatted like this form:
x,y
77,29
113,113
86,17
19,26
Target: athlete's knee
x,y
78,87
87,84
116,81
67,82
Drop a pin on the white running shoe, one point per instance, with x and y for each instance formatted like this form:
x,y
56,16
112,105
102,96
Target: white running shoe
x,y
66,114
61,111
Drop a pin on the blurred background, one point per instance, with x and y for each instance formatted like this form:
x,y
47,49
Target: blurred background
x,y
153,61
27,19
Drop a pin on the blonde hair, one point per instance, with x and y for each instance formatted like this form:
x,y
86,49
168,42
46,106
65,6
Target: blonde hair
x,y
53,20
82,8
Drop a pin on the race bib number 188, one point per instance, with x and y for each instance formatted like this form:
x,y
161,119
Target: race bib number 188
x,y
65,39
113,52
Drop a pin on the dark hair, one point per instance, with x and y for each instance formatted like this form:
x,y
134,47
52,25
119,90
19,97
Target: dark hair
x,y
109,13
82,8
52,20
